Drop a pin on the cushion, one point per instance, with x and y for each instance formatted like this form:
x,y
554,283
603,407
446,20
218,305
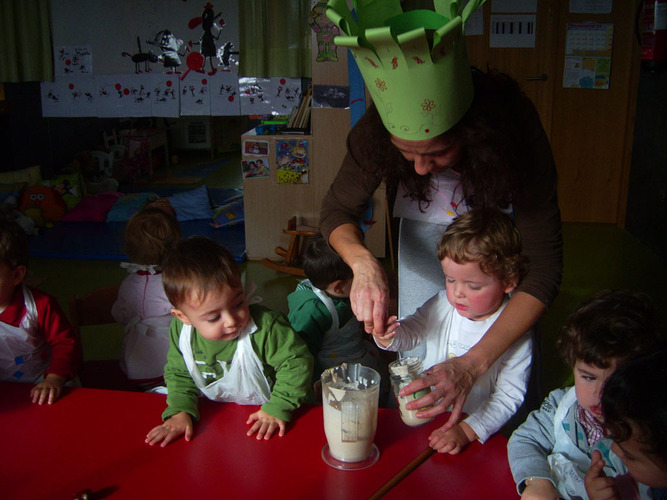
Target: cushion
x,y
30,175
93,208
129,205
229,214
71,187
191,205
10,193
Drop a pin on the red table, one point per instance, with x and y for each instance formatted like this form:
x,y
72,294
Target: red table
x,y
95,439
481,472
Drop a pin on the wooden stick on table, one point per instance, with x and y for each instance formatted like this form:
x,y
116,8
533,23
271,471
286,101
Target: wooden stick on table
x,y
416,462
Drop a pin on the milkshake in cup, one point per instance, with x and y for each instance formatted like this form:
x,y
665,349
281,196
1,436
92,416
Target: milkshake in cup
x,y
403,372
350,394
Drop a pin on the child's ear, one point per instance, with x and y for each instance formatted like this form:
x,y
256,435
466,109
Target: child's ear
x,y
337,287
511,284
179,314
18,274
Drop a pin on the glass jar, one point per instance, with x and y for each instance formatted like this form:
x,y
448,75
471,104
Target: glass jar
x,y
404,371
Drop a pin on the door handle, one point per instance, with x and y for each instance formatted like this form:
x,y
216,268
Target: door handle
x,y
543,78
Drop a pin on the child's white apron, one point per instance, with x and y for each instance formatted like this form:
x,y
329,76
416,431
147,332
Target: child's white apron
x,y
22,352
243,383
568,463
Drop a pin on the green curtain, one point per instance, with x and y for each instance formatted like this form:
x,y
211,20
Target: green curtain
x,y
274,38
26,54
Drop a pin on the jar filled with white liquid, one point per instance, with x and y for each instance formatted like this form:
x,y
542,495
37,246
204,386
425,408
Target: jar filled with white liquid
x,y
404,371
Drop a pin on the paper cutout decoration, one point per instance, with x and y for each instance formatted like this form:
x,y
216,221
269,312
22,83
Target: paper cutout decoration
x,y
325,31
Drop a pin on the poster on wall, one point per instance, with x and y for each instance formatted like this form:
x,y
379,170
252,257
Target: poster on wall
x,y
292,161
588,55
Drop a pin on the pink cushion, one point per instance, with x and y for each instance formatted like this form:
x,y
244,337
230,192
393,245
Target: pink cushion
x,y
93,208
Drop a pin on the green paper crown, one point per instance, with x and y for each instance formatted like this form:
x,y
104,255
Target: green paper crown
x,y
414,63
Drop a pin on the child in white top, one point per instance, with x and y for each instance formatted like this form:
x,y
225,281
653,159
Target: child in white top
x,y
480,253
142,305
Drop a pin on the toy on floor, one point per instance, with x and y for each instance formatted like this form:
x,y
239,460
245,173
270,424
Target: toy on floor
x,y
43,205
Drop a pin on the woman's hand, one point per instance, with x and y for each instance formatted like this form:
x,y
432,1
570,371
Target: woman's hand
x,y
369,295
451,382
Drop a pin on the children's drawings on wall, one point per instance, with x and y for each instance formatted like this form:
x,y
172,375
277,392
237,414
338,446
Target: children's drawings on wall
x,y
254,168
195,99
285,94
165,98
73,60
255,96
263,96
292,161
224,94
81,94
158,94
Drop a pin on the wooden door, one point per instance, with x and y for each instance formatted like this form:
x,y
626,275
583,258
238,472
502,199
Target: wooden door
x,y
590,130
533,68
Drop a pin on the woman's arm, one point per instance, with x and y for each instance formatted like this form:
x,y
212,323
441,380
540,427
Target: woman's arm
x,y
453,379
369,295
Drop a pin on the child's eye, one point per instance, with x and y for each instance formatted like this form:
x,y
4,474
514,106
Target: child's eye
x,y
475,287
213,319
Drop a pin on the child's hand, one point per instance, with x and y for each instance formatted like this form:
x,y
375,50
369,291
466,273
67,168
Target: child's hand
x,y
49,389
171,429
451,441
265,425
598,485
539,489
390,331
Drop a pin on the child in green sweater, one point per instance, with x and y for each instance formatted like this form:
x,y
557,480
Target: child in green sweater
x,y
224,348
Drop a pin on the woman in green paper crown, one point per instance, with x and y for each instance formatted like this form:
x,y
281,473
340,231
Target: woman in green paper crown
x,y
445,138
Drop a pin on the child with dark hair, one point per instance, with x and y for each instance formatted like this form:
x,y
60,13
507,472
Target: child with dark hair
x,y
634,405
224,348
551,451
142,305
37,343
320,311
481,259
